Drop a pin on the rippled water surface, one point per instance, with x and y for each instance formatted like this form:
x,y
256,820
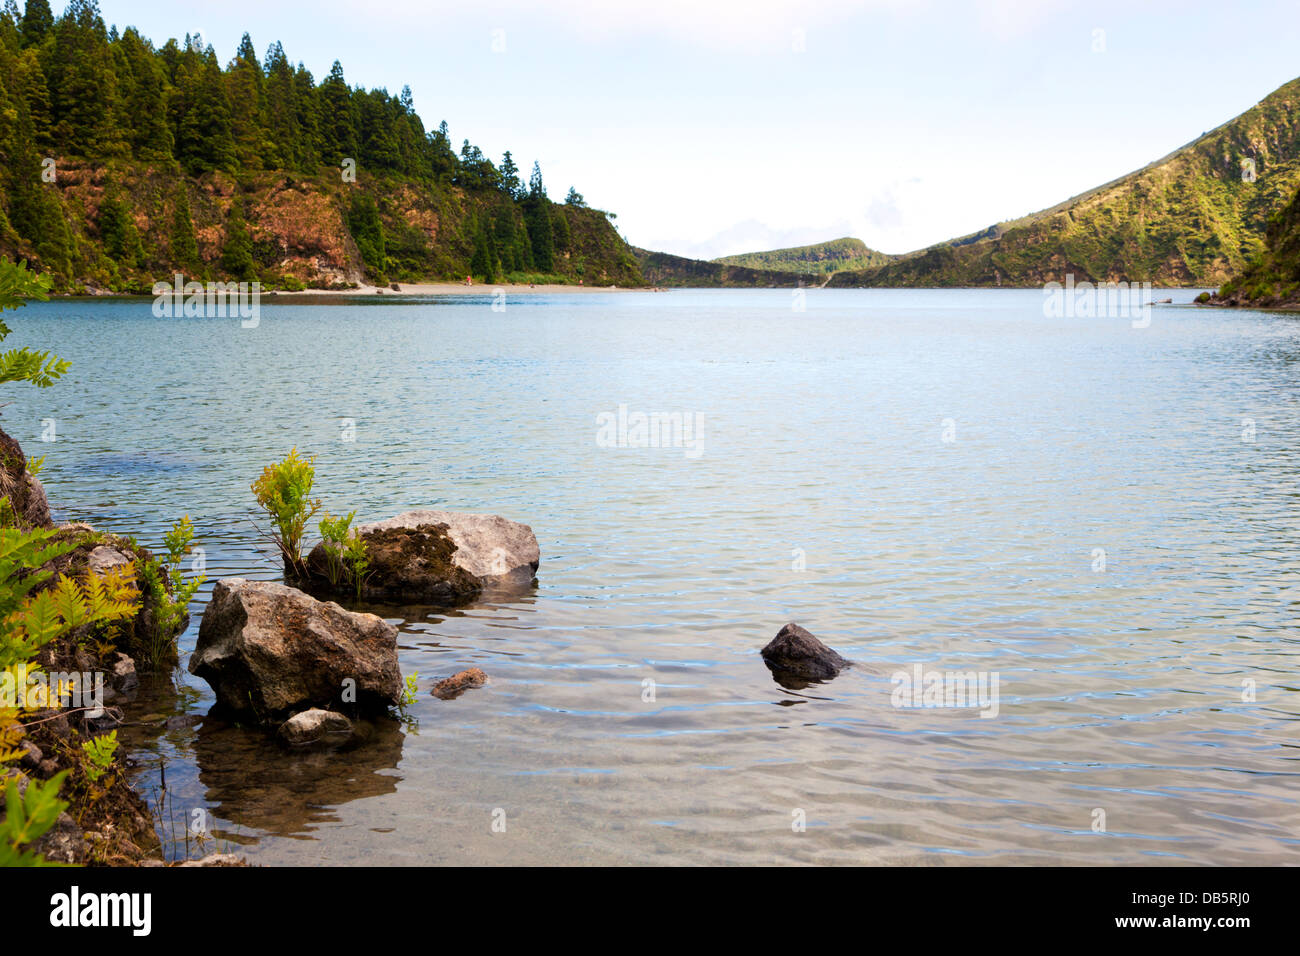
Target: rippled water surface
x,y
824,492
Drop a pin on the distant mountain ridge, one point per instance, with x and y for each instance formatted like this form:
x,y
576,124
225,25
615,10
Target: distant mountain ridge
x,y
823,257
664,269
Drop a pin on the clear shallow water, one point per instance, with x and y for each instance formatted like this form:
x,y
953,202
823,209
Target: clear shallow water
x,y
823,432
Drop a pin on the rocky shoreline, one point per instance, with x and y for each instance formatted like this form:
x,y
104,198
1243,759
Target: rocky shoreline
x,y
284,660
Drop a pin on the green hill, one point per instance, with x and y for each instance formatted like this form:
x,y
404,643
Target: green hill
x,y
1273,280
663,269
1192,218
823,257
122,163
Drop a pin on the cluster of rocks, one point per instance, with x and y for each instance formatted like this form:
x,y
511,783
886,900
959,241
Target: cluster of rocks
x,y
277,656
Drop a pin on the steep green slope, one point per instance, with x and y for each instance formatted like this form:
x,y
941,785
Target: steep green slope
x,y
1195,217
660,268
824,257
1273,280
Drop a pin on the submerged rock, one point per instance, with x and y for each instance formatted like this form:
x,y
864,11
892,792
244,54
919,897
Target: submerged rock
x,y
437,557
795,658
457,684
268,649
315,726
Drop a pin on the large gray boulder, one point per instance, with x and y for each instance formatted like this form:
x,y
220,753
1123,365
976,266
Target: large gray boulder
x,y
439,557
795,658
268,649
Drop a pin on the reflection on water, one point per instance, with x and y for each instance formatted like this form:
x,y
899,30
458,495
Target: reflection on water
x,y
1113,530
254,784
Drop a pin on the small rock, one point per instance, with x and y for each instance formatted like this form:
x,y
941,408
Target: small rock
x,y
32,759
124,679
104,559
315,726
795,657
457,684
64,842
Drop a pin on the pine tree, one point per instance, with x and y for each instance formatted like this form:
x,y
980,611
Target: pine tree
x,y
117,231
184,252
141,86
537,214
338,118
245,94
306,105
504,236
200,113
483,263
510,181
368,232
237,251
37,22
83,85
560,228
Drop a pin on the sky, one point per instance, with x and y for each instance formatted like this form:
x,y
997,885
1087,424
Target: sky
x,y
714,127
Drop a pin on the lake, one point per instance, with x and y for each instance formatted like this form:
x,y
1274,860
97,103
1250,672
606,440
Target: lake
x,y
1104,517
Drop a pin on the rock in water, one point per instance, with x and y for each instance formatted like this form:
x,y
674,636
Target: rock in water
x,y
268,649
457,684
439,557
316,726
794,655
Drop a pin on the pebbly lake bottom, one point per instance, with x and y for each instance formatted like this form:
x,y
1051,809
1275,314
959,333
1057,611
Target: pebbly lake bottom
x,y
1102,516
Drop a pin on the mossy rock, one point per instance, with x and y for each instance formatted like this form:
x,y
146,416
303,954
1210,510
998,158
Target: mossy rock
x,y
407,566
98,552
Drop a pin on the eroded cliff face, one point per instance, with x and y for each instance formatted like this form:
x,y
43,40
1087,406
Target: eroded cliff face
x,y
298,227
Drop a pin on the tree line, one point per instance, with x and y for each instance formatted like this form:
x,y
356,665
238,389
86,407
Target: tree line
x,y
70,86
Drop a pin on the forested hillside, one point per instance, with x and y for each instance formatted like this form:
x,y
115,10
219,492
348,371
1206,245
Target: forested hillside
x,y
124,161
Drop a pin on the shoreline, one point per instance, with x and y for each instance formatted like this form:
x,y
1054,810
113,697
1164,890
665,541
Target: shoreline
x,y
459,288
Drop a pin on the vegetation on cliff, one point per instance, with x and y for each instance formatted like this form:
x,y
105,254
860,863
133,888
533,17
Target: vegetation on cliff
x,y
124,162
1273,280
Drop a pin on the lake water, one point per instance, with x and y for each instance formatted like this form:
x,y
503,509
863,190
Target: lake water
x,y
1106,517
